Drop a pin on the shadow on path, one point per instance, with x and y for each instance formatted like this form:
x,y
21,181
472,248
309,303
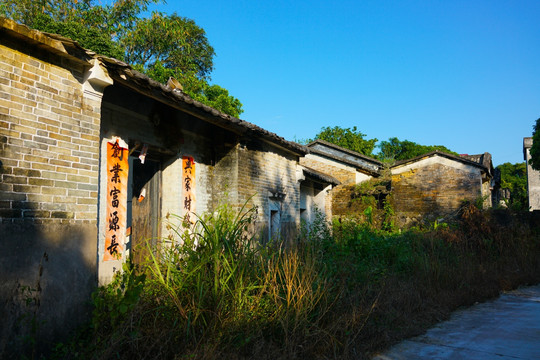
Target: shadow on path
x,y
505,328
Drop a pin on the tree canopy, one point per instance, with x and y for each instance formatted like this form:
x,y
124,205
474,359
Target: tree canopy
x,y
395,149
174,41
535,148
514,178
348,138
161,46
87,37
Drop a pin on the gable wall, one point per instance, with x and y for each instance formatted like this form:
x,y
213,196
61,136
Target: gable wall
x,y
433,187
49,146
263,171
345,174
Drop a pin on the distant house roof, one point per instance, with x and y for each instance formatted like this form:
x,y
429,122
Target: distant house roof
x,y
484,159
346,156
461,159
319,176
124,74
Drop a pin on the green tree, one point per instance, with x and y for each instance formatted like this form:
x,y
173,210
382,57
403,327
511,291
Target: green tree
x,y
535,149
161,46
87,37
514,178
174,41
113,19
349,138
198,89
396,150
219,98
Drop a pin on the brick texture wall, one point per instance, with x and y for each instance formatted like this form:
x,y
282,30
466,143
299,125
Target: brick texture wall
x,y
435,190
345,174
262,171
49,137
49,147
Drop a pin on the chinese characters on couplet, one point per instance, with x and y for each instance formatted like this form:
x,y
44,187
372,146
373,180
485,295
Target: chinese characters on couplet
x,y
188,188
117,180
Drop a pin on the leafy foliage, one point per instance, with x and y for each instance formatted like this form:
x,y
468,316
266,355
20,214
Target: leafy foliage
x,y
514,178
174,41
87,37
161,46
535,148
395,149
218,98
113,19
348,138
198,89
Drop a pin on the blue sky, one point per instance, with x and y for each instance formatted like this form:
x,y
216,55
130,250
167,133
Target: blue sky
x,y
463,74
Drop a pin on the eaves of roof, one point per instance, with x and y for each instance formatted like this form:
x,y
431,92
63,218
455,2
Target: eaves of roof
x,y
442,154
319,176
342,149
372,171
123,74
52,43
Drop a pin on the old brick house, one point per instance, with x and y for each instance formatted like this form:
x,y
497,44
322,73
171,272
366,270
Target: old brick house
x,y
435,184
424,188
93,155
347,166
533,177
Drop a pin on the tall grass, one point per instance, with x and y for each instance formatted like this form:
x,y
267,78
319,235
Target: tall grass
x,y
337,292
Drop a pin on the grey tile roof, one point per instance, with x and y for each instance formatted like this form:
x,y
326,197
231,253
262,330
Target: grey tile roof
x,y
319,176
123,73
349,157
443,154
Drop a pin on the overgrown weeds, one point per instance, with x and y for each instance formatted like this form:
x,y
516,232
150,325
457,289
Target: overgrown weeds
x,y
335,293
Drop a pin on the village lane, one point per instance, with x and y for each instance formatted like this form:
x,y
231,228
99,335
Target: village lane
x,y
505,328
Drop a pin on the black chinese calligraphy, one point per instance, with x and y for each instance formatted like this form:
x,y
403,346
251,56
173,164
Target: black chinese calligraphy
x,y
187,202
113,221
117,151
114,193
187,183
112,249
189,165
116,173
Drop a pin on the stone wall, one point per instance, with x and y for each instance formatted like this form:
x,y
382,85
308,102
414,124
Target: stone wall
x,y
432,188
49,148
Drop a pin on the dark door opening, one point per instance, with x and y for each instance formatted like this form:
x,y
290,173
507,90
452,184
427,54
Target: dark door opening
x,y
145,204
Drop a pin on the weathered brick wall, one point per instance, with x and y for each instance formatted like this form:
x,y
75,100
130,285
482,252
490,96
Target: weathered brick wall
x,y
486,193
264,170
345,174
49,136
433,188
344,202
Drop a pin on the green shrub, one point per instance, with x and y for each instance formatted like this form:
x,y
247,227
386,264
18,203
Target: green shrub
x,y
339,291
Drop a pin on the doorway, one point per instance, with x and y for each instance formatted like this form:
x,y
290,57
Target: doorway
x,y
144,207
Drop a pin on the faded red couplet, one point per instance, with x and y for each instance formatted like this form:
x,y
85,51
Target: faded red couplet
x,y
188,188
117,181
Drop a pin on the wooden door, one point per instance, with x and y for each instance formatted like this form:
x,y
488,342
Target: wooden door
x,y
145,211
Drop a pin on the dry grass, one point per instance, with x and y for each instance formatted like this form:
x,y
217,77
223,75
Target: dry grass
x,y
340,296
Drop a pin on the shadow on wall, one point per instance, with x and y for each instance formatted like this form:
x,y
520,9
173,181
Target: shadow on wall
x,y
47,274
272,176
